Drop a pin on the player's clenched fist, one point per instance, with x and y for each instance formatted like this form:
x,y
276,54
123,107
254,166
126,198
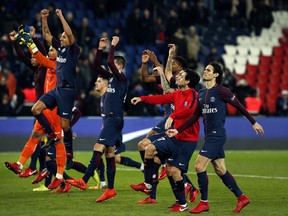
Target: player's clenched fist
x,y
44,13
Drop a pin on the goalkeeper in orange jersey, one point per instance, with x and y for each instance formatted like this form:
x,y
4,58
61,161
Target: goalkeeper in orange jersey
x,y
51,115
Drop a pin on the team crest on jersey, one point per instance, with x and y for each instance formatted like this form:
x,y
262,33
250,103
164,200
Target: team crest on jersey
x,y
185,104
212,99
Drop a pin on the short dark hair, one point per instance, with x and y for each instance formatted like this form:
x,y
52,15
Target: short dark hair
x,y
218,68
193,77
181,61
120,60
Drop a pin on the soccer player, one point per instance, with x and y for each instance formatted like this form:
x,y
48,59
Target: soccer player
x,y
112,111
173,66
212,105
54,120
177,151
64,94
39,78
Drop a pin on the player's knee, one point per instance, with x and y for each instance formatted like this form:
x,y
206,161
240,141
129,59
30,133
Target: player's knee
x,y
168,170
198,167
143,143
149,150
36,110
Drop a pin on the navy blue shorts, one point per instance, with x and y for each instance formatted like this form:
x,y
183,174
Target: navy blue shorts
x,y
160,127
111,132
178,153
213,147
64,98
51,152
120,149
156,136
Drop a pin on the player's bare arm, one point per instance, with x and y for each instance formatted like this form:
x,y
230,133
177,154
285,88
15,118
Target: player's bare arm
x,y
165,85
168,68
66,27
45,29
13,35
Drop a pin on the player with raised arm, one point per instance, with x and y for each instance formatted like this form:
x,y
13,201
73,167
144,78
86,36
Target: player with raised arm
x,y
212,105
177,151
64,94
112,112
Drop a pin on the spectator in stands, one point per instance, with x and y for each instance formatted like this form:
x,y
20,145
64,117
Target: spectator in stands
x,y
237,14
261,17
193,45
133,25
242,90
147,28
70,21
172,24
180,41
253,103
159,29
200,14
229,80
282,104
10,82
214,56
85,35
185,16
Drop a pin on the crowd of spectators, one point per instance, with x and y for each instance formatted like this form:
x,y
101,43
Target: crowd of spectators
x,y
145,23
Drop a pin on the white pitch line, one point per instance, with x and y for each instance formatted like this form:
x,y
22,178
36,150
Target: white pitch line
x,y
237,175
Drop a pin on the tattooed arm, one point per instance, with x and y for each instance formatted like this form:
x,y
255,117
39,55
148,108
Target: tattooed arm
x,y
168,69
45,29
165,85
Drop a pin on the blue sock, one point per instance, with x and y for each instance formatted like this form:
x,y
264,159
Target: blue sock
x,y
231,184
203,185
180,192
94,162
187,180
79,167
100,170
68,141
129,162
111,171
45,124
142,154
153,191
52,168
148,170
155,173
34,157
42,157
173,187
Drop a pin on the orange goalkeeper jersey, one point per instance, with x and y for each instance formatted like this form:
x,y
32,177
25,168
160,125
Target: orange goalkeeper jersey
x,y
50,80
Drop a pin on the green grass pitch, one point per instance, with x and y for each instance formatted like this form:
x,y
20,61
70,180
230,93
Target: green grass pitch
x,y
262,176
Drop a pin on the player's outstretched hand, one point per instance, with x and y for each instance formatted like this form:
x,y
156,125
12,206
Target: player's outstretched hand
x,y
115,40
103,43
135,100
59,12
171,132
258,128
13,36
